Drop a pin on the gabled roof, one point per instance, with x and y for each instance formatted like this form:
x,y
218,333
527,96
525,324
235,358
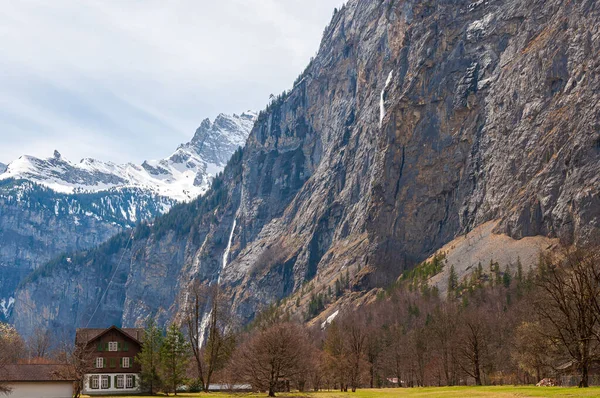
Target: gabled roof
x,y
84,336
37,372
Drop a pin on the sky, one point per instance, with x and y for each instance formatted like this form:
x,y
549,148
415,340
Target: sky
x,y
129,80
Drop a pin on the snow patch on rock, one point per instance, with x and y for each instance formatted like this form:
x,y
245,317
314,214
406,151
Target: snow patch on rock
x,y
5,306
329,319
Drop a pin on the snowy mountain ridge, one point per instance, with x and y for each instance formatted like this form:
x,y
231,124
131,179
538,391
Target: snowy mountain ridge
x,y
183,176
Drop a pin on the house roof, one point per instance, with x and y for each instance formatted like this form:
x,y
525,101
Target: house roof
x,y
36,372
84,336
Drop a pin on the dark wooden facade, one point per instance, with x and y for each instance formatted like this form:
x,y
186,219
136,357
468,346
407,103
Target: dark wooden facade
x,y
99,345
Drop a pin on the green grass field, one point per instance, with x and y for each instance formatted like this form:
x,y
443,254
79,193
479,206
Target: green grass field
x,y
433,392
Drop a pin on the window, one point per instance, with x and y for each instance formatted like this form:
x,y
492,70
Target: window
x,y
105,382
113,346
130,381
126,362
120,383
99,362
95,384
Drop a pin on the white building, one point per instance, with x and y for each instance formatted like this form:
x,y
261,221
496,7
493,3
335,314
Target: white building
x,y
39,381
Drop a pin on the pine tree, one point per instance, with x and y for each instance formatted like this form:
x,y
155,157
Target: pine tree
x,y
149,357
519,271
174,358
452,280
347,284
498,274
479,270
506,278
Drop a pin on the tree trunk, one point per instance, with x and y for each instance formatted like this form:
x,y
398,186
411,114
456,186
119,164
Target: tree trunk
x,y
208,381
477,372
584,375
476,366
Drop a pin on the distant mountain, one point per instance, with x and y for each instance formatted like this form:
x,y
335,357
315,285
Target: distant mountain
x,y
51,206
182,176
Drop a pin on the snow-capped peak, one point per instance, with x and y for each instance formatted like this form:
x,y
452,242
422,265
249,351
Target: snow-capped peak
x,y
183,176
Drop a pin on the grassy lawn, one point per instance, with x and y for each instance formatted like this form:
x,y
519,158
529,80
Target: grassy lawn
x,y
443,392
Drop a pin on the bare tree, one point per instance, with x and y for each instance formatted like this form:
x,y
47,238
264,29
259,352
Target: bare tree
x,y
78,359
39,343
210,354
396,356
533,351
318,369
374,349
337,355
11,349
273,355
474,335
443,329
569,305
356,336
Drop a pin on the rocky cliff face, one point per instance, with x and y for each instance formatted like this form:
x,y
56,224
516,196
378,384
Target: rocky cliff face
x,y
52,206
37,224
417,122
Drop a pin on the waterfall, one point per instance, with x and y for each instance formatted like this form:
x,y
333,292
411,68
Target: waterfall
x,y
206,316
203,327
382,99
227,250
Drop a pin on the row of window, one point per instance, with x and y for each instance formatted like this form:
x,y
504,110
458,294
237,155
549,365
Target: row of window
x,y
104,381
124,362
113,346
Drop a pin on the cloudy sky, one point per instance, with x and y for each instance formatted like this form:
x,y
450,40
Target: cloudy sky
x,y
128,80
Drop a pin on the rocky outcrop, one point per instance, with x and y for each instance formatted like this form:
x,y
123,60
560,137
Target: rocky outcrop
x,y
417,122
216,141
482,246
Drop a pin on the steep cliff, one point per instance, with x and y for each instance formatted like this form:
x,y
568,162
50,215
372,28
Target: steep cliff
x,y
37,224
417,122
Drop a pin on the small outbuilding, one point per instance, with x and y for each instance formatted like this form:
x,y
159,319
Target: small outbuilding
x,y
38,380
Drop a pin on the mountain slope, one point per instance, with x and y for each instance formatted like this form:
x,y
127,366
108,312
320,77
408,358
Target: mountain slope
x,y
51,206
2,167
416,123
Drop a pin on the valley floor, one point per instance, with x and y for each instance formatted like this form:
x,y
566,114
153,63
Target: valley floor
x,y
433,392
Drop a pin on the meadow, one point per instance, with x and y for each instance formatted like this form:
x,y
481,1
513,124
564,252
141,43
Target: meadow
x,y
432,392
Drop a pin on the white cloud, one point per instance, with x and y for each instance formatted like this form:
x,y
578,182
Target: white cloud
x,y
127,80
